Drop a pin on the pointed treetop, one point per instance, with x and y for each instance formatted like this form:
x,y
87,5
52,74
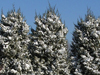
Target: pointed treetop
x,y
50,11
89,14
13,8
2,11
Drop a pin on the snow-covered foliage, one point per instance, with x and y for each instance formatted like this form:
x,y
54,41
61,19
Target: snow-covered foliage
x,y
14,54
86,48
48,45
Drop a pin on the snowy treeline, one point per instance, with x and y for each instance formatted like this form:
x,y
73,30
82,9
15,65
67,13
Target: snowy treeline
x,y
48,45
41,52
14,55
85,58
44,51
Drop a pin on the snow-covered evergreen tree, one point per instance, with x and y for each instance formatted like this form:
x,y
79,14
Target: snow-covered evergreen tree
x,y
14,55
49,45
86,47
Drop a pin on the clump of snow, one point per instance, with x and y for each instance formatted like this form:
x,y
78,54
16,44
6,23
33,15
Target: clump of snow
x,y
43,26
87,24
83,56
38,21
50,19
3,16
9,38
59,22
96,35
27,66
13,71
98,32
65,30
62,50
60,34
86,39
97,24
45,46
53,36
5,46
35,43
40,33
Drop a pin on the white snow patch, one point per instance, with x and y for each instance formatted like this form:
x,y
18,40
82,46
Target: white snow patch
x,y
59,22
87,24
80,38
65,30
96,35
83,56
60,34
43,26
38,21
86,39
41,33
36,43
3,16
27,66
9,37
6,43
62,50
45,46
98,32
13,71
47,29
5,46
19,68
53,36
97,24
50,47
50,19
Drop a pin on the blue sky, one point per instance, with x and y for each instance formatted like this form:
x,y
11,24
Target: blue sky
x,y
70,10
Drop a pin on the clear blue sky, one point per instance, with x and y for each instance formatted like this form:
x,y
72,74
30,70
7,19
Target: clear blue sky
x,y
70,10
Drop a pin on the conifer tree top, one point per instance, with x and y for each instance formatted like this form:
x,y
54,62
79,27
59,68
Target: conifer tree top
x,y
49,44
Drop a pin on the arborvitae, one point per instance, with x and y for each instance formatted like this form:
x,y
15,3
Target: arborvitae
x,y
48,45
14,55
86,47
